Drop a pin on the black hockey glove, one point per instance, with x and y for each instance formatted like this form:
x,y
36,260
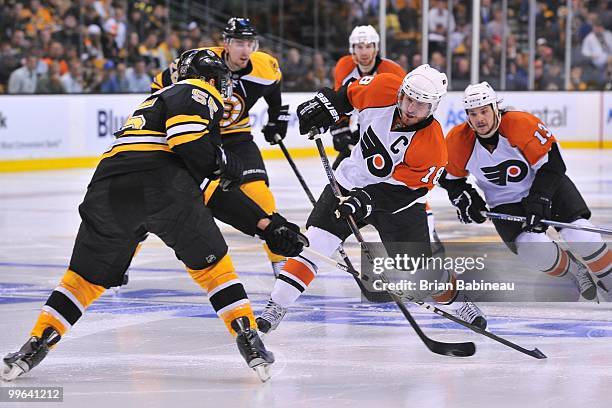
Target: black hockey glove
x,y
469,205
537,207
359,204
342,137
283,237
318,112
230,169
277,126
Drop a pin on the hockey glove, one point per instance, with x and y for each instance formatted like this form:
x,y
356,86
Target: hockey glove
x,y
318,112
469,205
230,169
276,128
283,237
343,137
537,207
359,204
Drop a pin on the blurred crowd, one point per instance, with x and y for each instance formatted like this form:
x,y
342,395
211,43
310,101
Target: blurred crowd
x,y
117,46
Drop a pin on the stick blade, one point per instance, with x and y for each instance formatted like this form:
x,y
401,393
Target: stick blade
x,y
466,349
536,353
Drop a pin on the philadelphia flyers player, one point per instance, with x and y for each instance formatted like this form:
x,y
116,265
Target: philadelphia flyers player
x,y
364,60
400,156
517,164
150,181
255,75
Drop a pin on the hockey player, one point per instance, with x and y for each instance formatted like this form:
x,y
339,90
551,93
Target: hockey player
x,y
517,164
255,74
399,158
364,60
148,181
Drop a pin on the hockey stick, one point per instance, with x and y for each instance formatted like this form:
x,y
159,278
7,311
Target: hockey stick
x,y
370,296
280,143
465,349
535,353
518,218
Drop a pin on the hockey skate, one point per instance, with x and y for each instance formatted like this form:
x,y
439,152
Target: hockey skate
x,y
277,267
584,282
467,311
606,292
252,348
29,355
271,317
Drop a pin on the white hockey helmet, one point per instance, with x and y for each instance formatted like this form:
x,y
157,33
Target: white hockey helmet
x,y
482,94
477,95
363,34
425,84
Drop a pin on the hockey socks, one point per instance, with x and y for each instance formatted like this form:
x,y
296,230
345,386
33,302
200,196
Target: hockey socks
x,y
66,304
225,291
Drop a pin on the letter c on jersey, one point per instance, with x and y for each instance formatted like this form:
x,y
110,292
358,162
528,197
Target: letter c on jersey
x,y
376,156
512,171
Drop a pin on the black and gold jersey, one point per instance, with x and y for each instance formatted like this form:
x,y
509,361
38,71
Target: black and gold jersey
x,y
260,78
179,122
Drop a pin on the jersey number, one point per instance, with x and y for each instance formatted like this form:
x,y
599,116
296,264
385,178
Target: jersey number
x,y
366,80
204,99
134,122
436,177
542,139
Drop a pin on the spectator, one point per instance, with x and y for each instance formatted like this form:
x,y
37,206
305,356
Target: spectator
x,y
110,82
73,79
93,43
597,45
138,80
495,27
8,62
438,61
24,79
294,70
439,16
576,81
416,61
51,82
56,53
68,35
409,17
149,50
195,35
122,81
403,62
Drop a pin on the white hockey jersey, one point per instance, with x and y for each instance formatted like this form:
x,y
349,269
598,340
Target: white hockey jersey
x,y
413,159
506,174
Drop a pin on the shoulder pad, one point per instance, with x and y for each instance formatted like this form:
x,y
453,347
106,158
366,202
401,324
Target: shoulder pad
x,y
265,69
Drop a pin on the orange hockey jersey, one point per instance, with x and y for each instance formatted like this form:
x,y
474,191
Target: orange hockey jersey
x,y
506,174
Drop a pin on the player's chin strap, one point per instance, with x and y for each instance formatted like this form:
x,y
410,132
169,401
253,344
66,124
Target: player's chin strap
x,y
535,353
556,224
465,349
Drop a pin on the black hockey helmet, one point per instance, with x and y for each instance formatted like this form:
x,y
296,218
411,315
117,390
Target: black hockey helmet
x,y
239,27
205,64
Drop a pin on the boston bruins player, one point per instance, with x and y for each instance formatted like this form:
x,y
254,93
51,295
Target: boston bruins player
x,y
149,181
517,164
255,74
399,158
